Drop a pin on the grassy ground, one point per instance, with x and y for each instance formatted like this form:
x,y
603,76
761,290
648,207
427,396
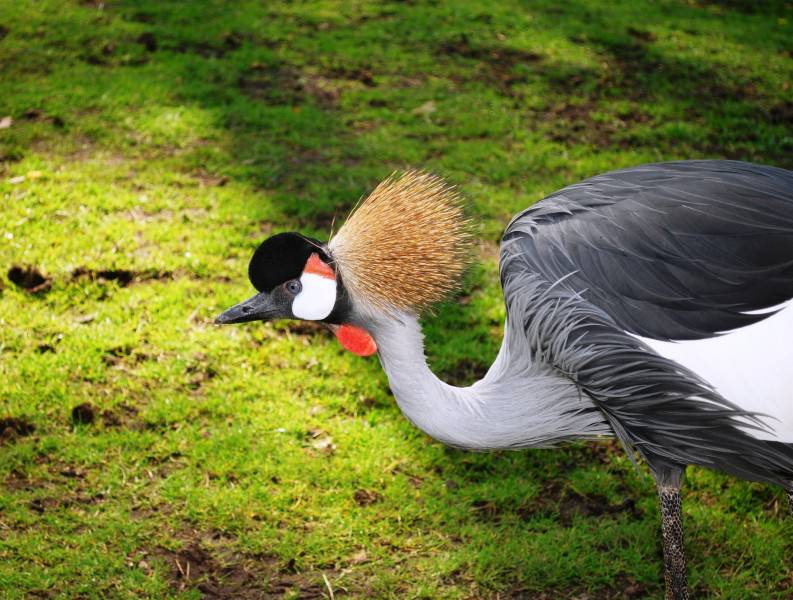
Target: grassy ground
x,y
151,145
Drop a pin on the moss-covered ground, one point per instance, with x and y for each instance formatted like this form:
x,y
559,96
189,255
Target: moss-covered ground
x,y
146,147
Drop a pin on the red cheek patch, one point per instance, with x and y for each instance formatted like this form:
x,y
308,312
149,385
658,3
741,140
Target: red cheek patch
x,y
356,340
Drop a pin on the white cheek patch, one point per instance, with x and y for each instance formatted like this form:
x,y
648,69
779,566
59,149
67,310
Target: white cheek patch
x,y
318,294
317,298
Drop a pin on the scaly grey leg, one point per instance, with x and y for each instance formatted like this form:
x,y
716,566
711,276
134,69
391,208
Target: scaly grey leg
x,y
790,500
672,533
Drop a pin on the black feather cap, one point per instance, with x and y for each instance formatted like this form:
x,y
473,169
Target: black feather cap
x,y
282,257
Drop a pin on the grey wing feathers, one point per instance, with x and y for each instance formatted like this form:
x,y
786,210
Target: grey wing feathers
x,y
671,251
653,405
676,250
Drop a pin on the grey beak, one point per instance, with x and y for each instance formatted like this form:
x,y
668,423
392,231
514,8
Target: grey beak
x,y
258,308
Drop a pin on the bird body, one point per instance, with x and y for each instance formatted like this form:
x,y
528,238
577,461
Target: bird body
x,y
654,304
752,367
652,268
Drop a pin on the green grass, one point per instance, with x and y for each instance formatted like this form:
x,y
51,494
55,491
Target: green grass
x,y
165,139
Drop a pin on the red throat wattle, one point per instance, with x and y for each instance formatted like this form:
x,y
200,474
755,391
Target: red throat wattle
x,y
356,340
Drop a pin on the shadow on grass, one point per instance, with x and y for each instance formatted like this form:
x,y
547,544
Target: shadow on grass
x,y
302,106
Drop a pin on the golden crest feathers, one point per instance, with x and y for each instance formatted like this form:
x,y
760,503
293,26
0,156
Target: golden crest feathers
x,y
405,246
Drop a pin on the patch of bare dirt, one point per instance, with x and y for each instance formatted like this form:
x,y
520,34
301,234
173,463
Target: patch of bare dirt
x,y
362,75
148,40
210,180
106,55
20,481
624,588
29,279
113,356
288,85
138,215
51,503
600,451
200,371
306,328
575,124
784,586
58,474
142,17
748,7
208,564
503,55
49,347
83,414
496,64
566,504
272,84
227,42
781,113
12,428
366,497
641,35
39,116
123,277
122,416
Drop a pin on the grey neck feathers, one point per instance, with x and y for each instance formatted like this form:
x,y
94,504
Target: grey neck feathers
x,y
518,404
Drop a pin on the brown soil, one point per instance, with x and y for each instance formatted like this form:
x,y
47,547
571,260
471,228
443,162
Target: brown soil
x,y
565,504
308,328
12,428
782,113
122,416
29,279
226,43
83,414
123,277
497,65
624,588
206,563
200,372
366,497
38,115
148,40
209,180
288,85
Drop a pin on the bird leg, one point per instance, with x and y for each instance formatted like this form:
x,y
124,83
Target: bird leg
x,y
790,500
672,533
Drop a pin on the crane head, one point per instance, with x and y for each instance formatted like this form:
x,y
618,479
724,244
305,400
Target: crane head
x,y
401,250
295,278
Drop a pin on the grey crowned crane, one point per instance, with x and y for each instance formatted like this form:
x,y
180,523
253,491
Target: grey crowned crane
x,y
653,304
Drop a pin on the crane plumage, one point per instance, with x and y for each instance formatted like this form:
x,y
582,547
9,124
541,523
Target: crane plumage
x,y
404,246
615,289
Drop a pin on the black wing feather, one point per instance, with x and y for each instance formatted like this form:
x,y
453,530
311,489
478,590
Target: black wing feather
x,y
678,250
667,251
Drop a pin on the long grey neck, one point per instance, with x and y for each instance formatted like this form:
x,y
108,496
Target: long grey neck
x,y
517,404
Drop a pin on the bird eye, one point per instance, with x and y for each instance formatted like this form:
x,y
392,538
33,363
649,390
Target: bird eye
x,y
294,286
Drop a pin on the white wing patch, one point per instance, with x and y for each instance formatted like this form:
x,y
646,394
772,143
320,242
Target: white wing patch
x,y
751,367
